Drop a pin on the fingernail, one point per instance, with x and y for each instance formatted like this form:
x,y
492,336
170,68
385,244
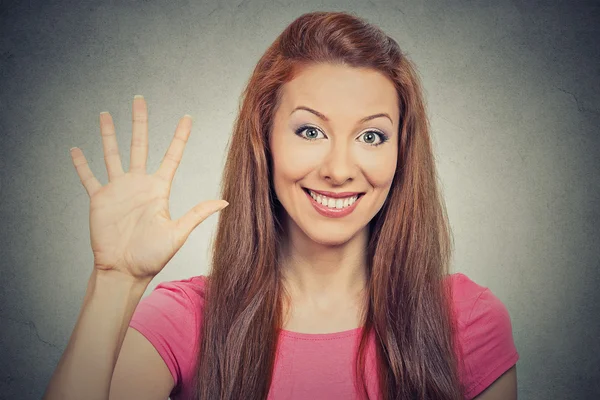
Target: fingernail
x,y
138,96
190,117
104,112
71,149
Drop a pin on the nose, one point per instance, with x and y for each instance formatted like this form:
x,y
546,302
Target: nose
x,y
339,165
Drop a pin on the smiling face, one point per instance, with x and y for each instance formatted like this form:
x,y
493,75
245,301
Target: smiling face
x,y
347,144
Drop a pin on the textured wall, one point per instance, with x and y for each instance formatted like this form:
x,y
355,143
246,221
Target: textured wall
x,y
514,100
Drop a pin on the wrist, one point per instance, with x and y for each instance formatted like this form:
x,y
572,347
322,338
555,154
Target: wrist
x,y
117,280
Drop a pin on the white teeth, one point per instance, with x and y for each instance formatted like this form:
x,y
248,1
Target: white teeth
x,y
331,202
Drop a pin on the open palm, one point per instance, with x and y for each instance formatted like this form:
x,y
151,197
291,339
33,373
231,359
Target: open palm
x,y
131,229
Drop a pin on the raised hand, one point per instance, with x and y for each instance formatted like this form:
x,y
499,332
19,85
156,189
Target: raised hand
x,y
131,229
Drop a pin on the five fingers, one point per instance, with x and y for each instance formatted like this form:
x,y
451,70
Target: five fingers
x,y
139,148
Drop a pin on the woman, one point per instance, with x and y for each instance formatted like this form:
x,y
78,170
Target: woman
x,y
329,277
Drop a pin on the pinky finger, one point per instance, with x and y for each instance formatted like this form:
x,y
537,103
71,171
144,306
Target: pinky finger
x,y
89,181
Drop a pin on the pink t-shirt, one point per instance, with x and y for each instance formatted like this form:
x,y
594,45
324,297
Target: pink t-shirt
x,y
319,366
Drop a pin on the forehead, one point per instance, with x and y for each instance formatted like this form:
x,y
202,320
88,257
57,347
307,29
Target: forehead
x,y
340,89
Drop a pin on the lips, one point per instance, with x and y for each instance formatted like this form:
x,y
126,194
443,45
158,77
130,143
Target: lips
x,y
332,212
333,194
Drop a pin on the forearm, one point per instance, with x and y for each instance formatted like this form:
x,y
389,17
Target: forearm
x,y
87,364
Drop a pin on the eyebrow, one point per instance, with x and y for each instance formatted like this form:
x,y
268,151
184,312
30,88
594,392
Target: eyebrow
x,y
324,118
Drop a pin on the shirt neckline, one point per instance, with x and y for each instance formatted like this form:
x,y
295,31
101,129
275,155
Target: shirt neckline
x,y
321,336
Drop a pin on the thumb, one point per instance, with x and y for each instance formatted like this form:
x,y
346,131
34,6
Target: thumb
x,y
187,223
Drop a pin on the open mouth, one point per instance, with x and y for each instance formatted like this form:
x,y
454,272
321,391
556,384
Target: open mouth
x,y
333,206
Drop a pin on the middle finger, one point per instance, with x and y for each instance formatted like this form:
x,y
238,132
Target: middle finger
x,y
139,138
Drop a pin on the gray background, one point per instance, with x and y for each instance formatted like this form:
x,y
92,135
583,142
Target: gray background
x,y
513,96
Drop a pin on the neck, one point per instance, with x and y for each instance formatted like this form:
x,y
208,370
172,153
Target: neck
x,y
324,274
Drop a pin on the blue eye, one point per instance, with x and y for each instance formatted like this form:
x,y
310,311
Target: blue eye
x,y
372,134
307,128
313,133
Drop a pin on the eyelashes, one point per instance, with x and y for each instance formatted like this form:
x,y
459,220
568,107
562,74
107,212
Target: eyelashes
x,y
382,136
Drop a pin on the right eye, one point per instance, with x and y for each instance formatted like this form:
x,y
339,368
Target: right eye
x,y
311,132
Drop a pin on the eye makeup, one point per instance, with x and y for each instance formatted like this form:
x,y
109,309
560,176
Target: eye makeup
x,y
382,136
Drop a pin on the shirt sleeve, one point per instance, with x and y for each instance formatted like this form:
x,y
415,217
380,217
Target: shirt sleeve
x,y
488,346
167,317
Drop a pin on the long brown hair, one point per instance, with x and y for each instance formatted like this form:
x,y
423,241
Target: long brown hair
x,y
409,303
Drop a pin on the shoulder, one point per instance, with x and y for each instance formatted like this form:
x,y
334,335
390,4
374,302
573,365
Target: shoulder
x,y
178,300
169,317
475,305
191,290
484,329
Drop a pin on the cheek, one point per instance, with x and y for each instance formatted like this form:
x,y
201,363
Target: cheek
x,y
380,167
291,163
291,160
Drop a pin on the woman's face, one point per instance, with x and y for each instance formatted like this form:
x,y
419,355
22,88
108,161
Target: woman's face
x,y
331,150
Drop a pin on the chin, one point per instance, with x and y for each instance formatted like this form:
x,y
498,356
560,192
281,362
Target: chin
x,y
330,237
331,242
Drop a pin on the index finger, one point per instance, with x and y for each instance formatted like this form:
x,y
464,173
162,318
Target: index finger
x,y
174,153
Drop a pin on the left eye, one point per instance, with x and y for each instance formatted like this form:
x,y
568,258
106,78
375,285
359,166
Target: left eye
x,y
373,135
